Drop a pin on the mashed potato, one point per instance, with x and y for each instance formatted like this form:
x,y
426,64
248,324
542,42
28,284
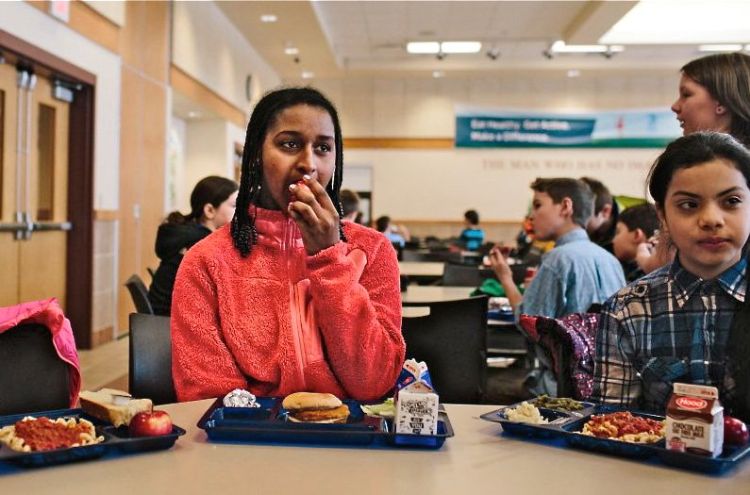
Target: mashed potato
x,y
525,413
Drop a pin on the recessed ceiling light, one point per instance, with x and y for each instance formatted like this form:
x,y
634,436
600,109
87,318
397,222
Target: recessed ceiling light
x,y
460,46
574,73
306,74
291,50
720,48
193,114
437,74
268,18
423,47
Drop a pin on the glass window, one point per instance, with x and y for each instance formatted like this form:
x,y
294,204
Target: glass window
x,y
46,174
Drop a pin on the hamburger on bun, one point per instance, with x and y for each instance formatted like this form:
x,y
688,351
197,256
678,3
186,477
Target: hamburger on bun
x,y
311,407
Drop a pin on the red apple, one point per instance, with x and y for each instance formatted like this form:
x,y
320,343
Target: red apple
x,y
735,431
150,424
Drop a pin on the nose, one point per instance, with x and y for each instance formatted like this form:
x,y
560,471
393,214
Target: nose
x,y
711,217
306,160
675,106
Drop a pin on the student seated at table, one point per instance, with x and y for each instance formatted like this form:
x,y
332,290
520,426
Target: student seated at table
x,y
575,274
289,297
688,321
635,225
603,222
397,234
472,236
212,205
350,205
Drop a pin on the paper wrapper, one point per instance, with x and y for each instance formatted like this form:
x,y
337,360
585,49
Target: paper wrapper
x,y
416,400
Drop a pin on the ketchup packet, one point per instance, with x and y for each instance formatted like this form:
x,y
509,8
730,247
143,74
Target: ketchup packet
x,y
416,400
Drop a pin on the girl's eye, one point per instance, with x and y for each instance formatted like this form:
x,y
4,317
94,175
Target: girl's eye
x,y
733,201
324,148
687,205
290,144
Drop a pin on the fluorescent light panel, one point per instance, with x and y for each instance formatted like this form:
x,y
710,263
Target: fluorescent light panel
x,y
268,18
559,46
720,48
421,47
433,47
682,22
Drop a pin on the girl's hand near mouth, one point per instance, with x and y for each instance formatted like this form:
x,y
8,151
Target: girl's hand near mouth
x,y
314,213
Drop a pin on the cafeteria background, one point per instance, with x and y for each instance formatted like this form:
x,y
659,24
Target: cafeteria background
x,y
158,95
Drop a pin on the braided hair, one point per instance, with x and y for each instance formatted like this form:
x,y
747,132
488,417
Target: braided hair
x,y
265,113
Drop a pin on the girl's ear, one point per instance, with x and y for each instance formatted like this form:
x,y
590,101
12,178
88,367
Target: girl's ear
x,y
662,219
209,211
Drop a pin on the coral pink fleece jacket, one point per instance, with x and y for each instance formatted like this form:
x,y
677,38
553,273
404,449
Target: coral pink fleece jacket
x,y
280,321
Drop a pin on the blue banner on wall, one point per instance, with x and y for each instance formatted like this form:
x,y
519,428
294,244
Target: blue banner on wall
x,y
609,129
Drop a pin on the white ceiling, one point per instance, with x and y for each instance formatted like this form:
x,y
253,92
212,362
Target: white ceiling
x,y
364,38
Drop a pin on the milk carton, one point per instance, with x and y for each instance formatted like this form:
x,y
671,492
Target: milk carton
x,y
695,420
416,401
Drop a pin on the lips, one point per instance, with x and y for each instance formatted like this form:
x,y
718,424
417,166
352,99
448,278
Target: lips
x,y
713,243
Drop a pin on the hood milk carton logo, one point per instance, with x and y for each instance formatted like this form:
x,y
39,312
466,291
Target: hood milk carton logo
x,y
416,400
691,403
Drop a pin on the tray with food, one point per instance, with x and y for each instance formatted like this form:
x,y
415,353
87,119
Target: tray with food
x,y
104,424
540,417
615,431
314,418
621,433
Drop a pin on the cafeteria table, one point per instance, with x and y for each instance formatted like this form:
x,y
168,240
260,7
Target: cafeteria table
x,y
477,460
422,271
434,293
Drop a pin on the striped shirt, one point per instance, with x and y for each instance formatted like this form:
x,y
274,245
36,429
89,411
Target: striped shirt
x,y
669,326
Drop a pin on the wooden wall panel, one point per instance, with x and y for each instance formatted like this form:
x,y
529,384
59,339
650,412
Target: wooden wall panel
x,y
144,41
89,23
143,139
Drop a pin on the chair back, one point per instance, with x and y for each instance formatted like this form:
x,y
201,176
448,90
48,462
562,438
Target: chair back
x,y
462,275
150,358
32,376
452,340
139,293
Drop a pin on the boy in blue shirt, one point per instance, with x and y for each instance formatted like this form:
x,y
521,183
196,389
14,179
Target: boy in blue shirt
x,y
571,277
472,236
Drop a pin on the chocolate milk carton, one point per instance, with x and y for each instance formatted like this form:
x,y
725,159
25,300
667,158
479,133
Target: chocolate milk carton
x,y
695,420
416,400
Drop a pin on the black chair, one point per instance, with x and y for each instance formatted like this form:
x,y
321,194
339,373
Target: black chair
x,y
150,358
32,376
139,293
452,340
461,275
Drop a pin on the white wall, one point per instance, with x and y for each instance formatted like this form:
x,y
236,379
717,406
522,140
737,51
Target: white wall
x,y
37,28
206,45
442,184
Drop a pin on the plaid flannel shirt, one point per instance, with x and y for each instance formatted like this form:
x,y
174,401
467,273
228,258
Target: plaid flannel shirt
x,y
669,326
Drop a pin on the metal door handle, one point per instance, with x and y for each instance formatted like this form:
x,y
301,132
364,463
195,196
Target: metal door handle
x,y
48,226
13,227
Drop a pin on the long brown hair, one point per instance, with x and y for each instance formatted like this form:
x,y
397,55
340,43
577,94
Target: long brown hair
x,y
726,76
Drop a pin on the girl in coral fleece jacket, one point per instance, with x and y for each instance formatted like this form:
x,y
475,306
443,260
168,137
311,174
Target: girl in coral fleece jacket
x,y
288,298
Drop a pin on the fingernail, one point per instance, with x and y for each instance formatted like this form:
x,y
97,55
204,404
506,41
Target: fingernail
x,y
307,177
292,187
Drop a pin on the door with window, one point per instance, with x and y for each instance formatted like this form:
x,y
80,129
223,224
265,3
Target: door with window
x,y
34,127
